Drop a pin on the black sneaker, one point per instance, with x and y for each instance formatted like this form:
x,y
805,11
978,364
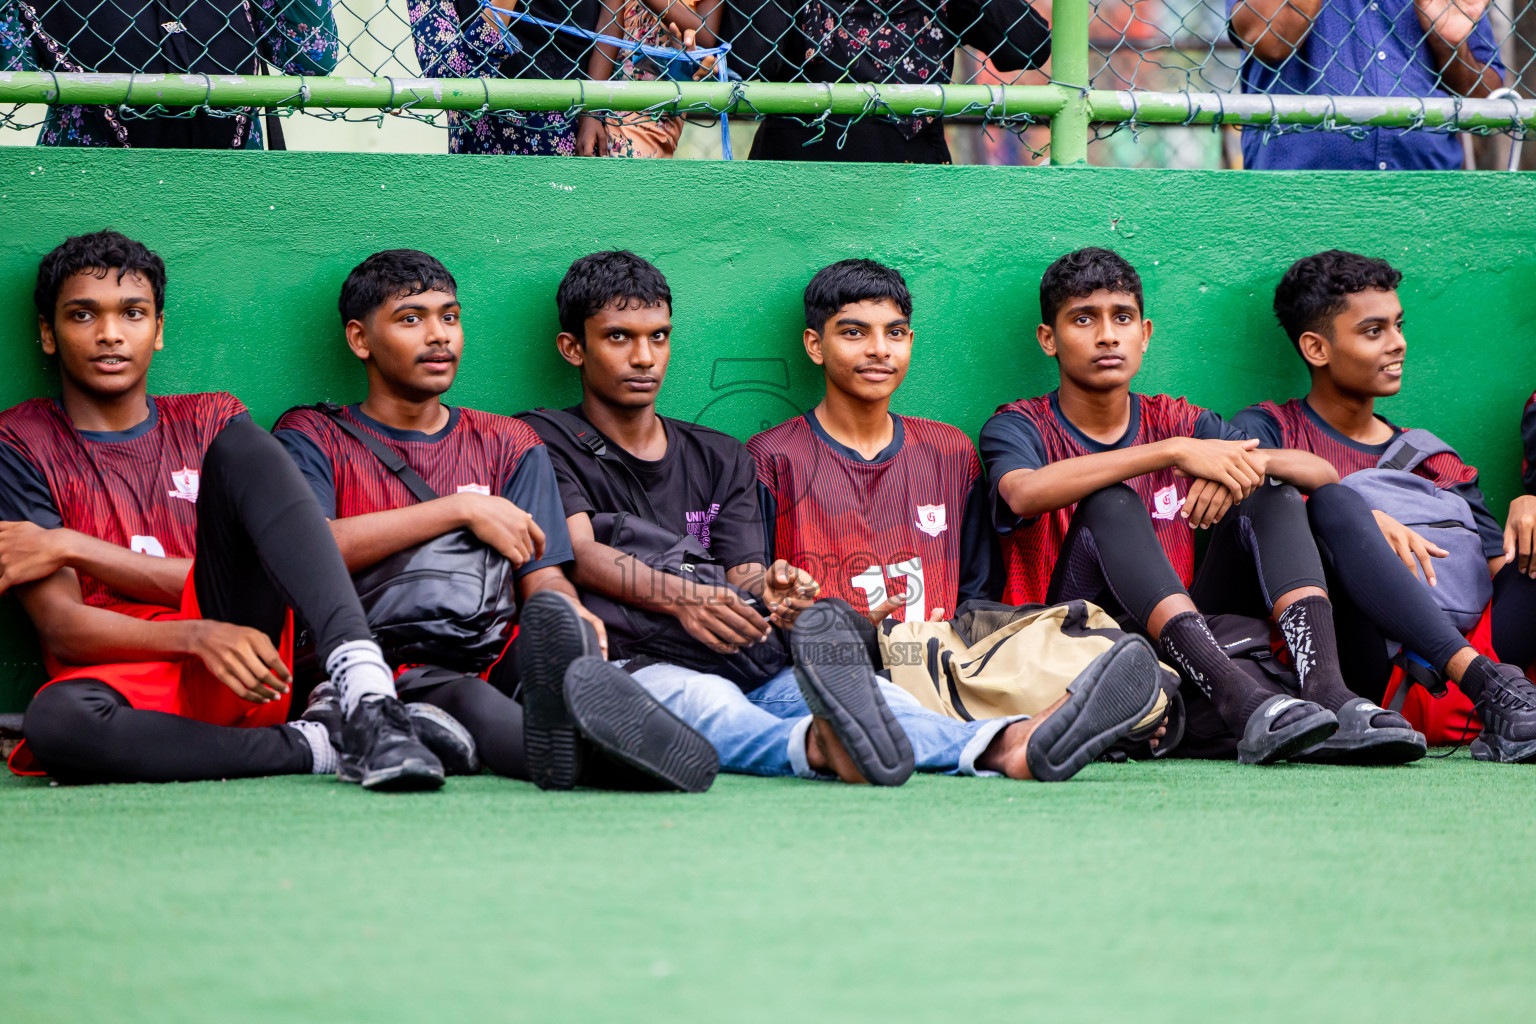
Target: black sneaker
x,y
1507,709
550,636
1111,697
626,724
839,684
446,737
325,707
380,749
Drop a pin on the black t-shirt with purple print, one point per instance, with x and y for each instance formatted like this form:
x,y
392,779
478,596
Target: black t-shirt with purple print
x,y
706,485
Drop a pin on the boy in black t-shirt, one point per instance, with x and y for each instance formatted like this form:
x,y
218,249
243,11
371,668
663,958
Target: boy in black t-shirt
x,y
614,455
1342,313
401,315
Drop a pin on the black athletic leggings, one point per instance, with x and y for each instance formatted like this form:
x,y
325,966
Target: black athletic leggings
x,y
263,546
1376,598
1261,550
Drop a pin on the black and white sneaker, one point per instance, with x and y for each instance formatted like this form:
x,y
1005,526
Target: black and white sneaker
x,y
380,749
446,737
551,634
624,722
325,707
839,685
1507,709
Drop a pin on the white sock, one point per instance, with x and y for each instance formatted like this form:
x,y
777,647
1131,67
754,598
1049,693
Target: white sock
x,y
358,668
319,739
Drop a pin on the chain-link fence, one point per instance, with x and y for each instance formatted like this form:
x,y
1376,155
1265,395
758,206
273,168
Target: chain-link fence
x,y
1189,83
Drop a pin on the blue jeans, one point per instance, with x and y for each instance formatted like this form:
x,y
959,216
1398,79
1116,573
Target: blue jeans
x,y
763,732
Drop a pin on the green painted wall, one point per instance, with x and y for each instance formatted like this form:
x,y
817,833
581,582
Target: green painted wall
x,y
257,245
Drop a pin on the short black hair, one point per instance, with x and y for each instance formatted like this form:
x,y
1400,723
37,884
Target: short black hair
x,y
596,281
848,281
1316,289
1079,274
393,273
100,252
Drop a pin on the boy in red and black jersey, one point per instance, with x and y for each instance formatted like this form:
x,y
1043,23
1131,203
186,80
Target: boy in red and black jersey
x,y
158,544
401,314
1342,313
1097,492
889,513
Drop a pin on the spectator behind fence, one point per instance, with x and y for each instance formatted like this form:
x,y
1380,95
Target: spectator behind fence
x,y
1362,48
665,23
210,37
908,42
461,39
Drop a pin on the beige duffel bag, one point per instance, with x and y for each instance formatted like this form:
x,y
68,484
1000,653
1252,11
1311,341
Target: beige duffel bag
x,y
996,660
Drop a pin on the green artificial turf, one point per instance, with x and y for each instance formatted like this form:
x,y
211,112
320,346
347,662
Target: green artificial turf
x,y
1176,892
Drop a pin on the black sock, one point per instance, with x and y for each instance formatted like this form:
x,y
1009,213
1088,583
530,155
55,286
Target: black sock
x,y
1477,676
1188,641
1308,628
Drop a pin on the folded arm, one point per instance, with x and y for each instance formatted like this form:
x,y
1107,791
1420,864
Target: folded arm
x,y
29,552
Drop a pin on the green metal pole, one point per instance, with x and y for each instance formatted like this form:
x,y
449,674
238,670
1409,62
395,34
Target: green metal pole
x,y
1069,69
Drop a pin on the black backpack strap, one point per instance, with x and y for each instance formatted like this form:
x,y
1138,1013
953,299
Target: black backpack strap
x,y
385,454
581,434
1410,448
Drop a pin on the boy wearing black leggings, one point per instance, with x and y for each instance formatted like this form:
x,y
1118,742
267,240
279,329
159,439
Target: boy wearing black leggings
x,y
401,315
158,544
1097,492
1342,313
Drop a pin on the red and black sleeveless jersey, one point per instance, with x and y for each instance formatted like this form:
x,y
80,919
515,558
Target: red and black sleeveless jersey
x,y
136,488
1033,433
1295,425
477,451
911,522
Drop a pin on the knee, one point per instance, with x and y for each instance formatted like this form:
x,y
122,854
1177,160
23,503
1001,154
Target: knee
x,y
64,717
238,447
1114,503
1334,506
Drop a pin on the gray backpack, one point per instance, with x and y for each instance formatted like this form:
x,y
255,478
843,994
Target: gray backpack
x,y
1462,585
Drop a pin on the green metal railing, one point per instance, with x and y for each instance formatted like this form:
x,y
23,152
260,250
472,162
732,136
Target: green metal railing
x,y
1068,104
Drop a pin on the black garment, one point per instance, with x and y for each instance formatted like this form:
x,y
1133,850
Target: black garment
x,y
262,547
82,730
705,485
1375,597
1261,549
1528,446
872,140
1514,617
492,717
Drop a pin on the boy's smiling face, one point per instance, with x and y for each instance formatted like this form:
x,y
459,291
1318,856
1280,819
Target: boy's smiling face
x,y
1363,350
105,331
1097,340
864,348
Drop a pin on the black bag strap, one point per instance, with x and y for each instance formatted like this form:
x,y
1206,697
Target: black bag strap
x,y
1410,448
585,437
392,461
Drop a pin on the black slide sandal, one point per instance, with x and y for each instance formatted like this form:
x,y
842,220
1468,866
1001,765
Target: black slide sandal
x,y
1104,703
1359,742
622,720
1263,745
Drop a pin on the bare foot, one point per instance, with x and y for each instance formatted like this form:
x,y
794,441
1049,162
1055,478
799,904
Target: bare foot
x,y
825,752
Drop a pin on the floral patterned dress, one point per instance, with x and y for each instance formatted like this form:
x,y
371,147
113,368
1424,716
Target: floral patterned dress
x,y
297,36
904,41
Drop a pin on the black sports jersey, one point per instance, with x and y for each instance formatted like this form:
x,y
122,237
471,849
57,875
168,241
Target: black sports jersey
x,y
910,522
477,451
705,485
1296,425
1528,446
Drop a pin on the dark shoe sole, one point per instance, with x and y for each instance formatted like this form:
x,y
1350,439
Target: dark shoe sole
x,y
1293,739
410,775
1103,705
848,696
1501,751
551,635
1358,742
446,737
627,724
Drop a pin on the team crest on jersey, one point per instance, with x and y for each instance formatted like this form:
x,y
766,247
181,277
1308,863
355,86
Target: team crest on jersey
x,y
186,484
1166,502
475,489
931,519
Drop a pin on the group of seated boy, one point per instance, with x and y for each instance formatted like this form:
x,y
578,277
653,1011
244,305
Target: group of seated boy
x,y
168,549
